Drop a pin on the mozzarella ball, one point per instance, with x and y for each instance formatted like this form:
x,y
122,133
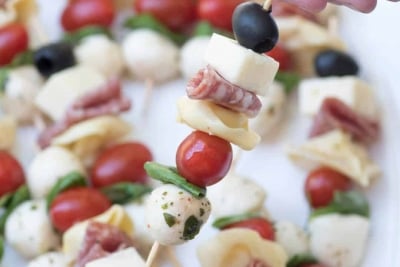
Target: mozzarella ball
x,y
21,88
50,259
29,230
192,56
174,216
48,167
100,53
292,238
339,240
151,56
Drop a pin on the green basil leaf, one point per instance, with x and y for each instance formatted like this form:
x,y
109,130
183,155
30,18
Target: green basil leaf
x,y
24,58
76,37
21,195
289,80
5,200
122,193
147,21
300,259
3,78
203,28
72,179
222,222
351,202
1,247
169,175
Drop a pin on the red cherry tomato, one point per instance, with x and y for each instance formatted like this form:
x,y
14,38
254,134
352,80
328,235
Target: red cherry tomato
x,y
203,159
13,40
81,13
76,205
121,163
260,225
11,174
175,14
218,12
280,54
321,185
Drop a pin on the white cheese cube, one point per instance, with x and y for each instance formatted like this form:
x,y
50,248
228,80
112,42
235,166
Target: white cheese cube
x,y
124,258
241,66
349,89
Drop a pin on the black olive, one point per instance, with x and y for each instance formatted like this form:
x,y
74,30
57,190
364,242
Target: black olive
x,y
254,27
335,63
54,57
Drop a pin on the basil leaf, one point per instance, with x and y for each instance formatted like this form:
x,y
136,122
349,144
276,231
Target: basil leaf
x,y
5,200
147,21
300,259
203,28
289,80
1,247
222,222
122,193
169,175
24,58
351,202
21,195
76,37
72,179
3,79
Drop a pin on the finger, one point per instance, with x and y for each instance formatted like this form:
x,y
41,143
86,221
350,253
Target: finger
x,y
364,6
309,5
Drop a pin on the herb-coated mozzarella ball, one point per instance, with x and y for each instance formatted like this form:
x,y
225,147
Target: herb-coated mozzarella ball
x,y
151,56
174,216
100,53
339,240
29,231
20,90
50,259
292,238
192,56
48,167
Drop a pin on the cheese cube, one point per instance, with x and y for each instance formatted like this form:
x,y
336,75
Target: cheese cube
x,y
124,258
351,90
241,66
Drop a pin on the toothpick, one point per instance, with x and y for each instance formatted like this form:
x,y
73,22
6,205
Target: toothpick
x,y
153,254
267,4
172,257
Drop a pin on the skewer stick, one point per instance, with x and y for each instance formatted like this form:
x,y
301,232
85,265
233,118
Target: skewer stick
x,y
172,257
267,4
152,254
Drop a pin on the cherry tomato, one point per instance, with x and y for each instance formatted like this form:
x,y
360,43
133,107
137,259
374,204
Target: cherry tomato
x,y
218,12
176,15
121,163
280,54
75,205
203,159
13,40
81,13
321,185
262,226
11,173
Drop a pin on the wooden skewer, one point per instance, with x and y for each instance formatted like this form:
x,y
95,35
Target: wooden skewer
x,y
172,257
267,4
152,254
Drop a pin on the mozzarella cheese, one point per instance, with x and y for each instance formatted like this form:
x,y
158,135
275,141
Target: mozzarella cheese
x,y
240,247
211,118
241,66
235,195
48,167
174,216
72,239
50,259
192,56
339,240
292,238
351,90
151,56
65,87
29,230
8,130
336,150
124,258
101,54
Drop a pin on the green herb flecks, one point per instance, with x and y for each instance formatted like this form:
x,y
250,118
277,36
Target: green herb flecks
x,y
170,219
192,228
122,193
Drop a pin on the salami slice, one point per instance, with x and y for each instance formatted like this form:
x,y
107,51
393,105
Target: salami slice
x,y
208,84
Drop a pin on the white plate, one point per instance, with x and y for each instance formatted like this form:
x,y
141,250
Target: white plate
x,y
372,40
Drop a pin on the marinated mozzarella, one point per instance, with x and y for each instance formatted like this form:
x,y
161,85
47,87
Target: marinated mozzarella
x,y
339,240
29,230
125,258
101,54
174,216
48,167
238,247
150,56
21,88
292,238
235,195
50,259
8,130
192,56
